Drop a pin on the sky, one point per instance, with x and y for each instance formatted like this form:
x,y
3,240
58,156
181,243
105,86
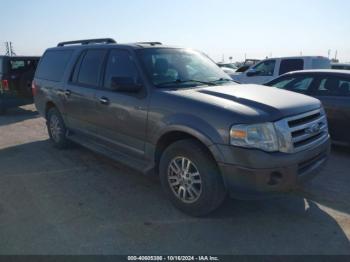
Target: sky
x,y
221,28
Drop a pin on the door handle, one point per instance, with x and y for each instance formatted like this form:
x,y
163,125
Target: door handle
x,y
104,100
67,92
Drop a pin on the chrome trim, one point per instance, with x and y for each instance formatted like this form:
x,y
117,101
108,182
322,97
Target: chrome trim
x,y
306,136
310,113
285,132
309,124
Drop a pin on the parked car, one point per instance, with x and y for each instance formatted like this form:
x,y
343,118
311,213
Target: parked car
x,y
173,112
332,87
243,68
228,65
16,75
229,68
228,71
341,66
271,68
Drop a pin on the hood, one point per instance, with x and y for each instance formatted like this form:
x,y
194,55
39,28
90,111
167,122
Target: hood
x,y
261,102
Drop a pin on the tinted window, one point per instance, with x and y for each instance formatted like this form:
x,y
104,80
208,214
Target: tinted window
x,y
242,69
1,61
296,84
333,86
281,83
288,65
265,68
341,67
90,68
53,65
17,65
120,64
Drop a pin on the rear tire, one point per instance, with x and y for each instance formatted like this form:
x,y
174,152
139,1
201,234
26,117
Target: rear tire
x,y
57,129
191,179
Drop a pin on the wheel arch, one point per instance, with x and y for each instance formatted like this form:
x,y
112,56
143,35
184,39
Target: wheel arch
x,y
172,136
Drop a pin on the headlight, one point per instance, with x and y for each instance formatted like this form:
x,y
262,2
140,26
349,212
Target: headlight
x,y
261,136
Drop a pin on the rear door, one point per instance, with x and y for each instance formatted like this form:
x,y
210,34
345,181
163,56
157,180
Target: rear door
x,y
80,91
26,77
334,92
20,73
122,116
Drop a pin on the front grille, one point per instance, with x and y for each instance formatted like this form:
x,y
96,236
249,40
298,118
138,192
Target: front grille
x,y
300,132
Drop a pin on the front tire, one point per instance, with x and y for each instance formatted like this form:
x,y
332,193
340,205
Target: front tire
x,y
57,129
191,179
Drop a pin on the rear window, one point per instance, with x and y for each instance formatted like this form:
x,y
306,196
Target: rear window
x,y
321,63
333,86
90,68
289,65
53,65
1,67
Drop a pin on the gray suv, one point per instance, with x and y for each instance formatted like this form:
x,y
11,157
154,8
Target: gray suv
x,y
173,112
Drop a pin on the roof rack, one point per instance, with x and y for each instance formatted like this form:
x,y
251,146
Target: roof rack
x,y
89,41
149,43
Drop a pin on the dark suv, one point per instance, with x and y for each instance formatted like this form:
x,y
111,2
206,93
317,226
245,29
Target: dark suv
x,y
16,76
174,112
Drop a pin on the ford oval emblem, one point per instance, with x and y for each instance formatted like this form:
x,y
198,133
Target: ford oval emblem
x,y
315,128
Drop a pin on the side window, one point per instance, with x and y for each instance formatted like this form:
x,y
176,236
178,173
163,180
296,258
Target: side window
x,y
53,64
265,68
17,65
282,83
300,84
120,64
288,65
90,67
333,86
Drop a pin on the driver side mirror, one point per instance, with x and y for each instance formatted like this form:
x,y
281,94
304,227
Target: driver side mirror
x,y
125,84
253,72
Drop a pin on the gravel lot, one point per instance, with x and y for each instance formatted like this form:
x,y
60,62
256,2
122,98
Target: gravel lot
x,y
77,202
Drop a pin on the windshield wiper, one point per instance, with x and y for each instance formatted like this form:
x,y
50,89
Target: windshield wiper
x,y
179,81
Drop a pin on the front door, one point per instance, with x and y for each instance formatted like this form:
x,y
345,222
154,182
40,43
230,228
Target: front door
x,y
122,115
260,73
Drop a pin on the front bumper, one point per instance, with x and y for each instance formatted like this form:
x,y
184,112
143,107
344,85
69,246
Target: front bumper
x,y
250,173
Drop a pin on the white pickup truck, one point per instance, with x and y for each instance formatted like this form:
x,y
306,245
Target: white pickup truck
x,y
271,68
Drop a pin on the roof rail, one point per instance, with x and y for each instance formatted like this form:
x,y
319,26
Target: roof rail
x,y
149,43
89,41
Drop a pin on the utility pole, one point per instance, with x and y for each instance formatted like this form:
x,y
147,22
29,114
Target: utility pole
x,y
9,49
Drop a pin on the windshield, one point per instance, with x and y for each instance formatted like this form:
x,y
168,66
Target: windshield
x,y
181,68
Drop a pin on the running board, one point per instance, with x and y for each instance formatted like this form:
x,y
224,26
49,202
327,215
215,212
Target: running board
x,y
132,162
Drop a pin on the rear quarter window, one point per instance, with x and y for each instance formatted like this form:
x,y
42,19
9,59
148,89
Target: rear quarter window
x,y
288,65
53,64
